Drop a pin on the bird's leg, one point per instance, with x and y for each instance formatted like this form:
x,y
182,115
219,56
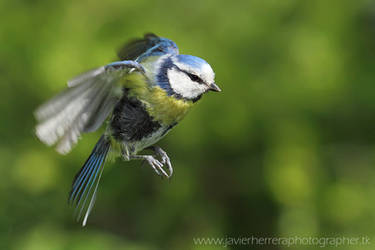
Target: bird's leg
x,y
164,158
154,163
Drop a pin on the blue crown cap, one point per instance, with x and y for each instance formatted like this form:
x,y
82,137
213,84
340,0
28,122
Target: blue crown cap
x,y
192,61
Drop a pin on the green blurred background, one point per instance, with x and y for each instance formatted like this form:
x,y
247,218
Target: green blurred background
x,y
287,149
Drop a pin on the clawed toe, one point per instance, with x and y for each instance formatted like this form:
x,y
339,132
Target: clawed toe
x,y
164,159
157,166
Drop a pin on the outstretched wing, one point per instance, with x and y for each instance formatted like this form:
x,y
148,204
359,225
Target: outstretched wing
x,y
150,45
91,96
83,107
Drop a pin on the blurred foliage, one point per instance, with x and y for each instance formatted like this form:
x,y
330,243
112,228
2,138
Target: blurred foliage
x,y
287,149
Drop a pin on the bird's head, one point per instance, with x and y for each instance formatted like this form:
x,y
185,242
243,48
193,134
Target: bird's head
x,y
187,76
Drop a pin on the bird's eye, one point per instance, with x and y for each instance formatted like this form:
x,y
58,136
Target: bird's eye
x,y
194,78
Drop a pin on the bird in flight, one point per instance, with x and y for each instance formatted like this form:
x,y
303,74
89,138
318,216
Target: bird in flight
x,y
142,97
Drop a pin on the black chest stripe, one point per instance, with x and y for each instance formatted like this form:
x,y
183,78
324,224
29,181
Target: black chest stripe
x,y
130,121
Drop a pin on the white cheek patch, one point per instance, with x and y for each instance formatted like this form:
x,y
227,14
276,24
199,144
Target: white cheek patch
x,y
183,85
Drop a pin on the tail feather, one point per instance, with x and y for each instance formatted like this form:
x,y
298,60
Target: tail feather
x,y
85,179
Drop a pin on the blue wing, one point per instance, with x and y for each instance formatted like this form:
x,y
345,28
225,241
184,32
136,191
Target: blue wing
x,y
150,45
91,96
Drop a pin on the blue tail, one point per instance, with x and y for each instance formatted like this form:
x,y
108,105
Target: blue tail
x,y
85,179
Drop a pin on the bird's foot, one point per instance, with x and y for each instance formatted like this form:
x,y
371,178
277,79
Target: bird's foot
x,y
156,165
163,157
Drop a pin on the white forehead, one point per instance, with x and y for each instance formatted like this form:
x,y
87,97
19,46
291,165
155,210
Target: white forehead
x,y
195,65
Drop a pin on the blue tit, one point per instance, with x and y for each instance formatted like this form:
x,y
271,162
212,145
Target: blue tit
x,y
142,97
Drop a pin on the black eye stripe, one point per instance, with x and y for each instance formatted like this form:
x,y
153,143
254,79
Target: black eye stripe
x,y
192,77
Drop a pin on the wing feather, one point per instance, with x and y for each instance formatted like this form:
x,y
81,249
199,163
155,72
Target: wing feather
x,y
150,45
91,96
75,110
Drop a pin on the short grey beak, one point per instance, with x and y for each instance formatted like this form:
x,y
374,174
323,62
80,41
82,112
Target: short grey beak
x,y
214,87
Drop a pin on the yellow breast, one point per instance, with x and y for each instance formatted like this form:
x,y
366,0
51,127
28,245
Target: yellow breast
x,y
163,108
